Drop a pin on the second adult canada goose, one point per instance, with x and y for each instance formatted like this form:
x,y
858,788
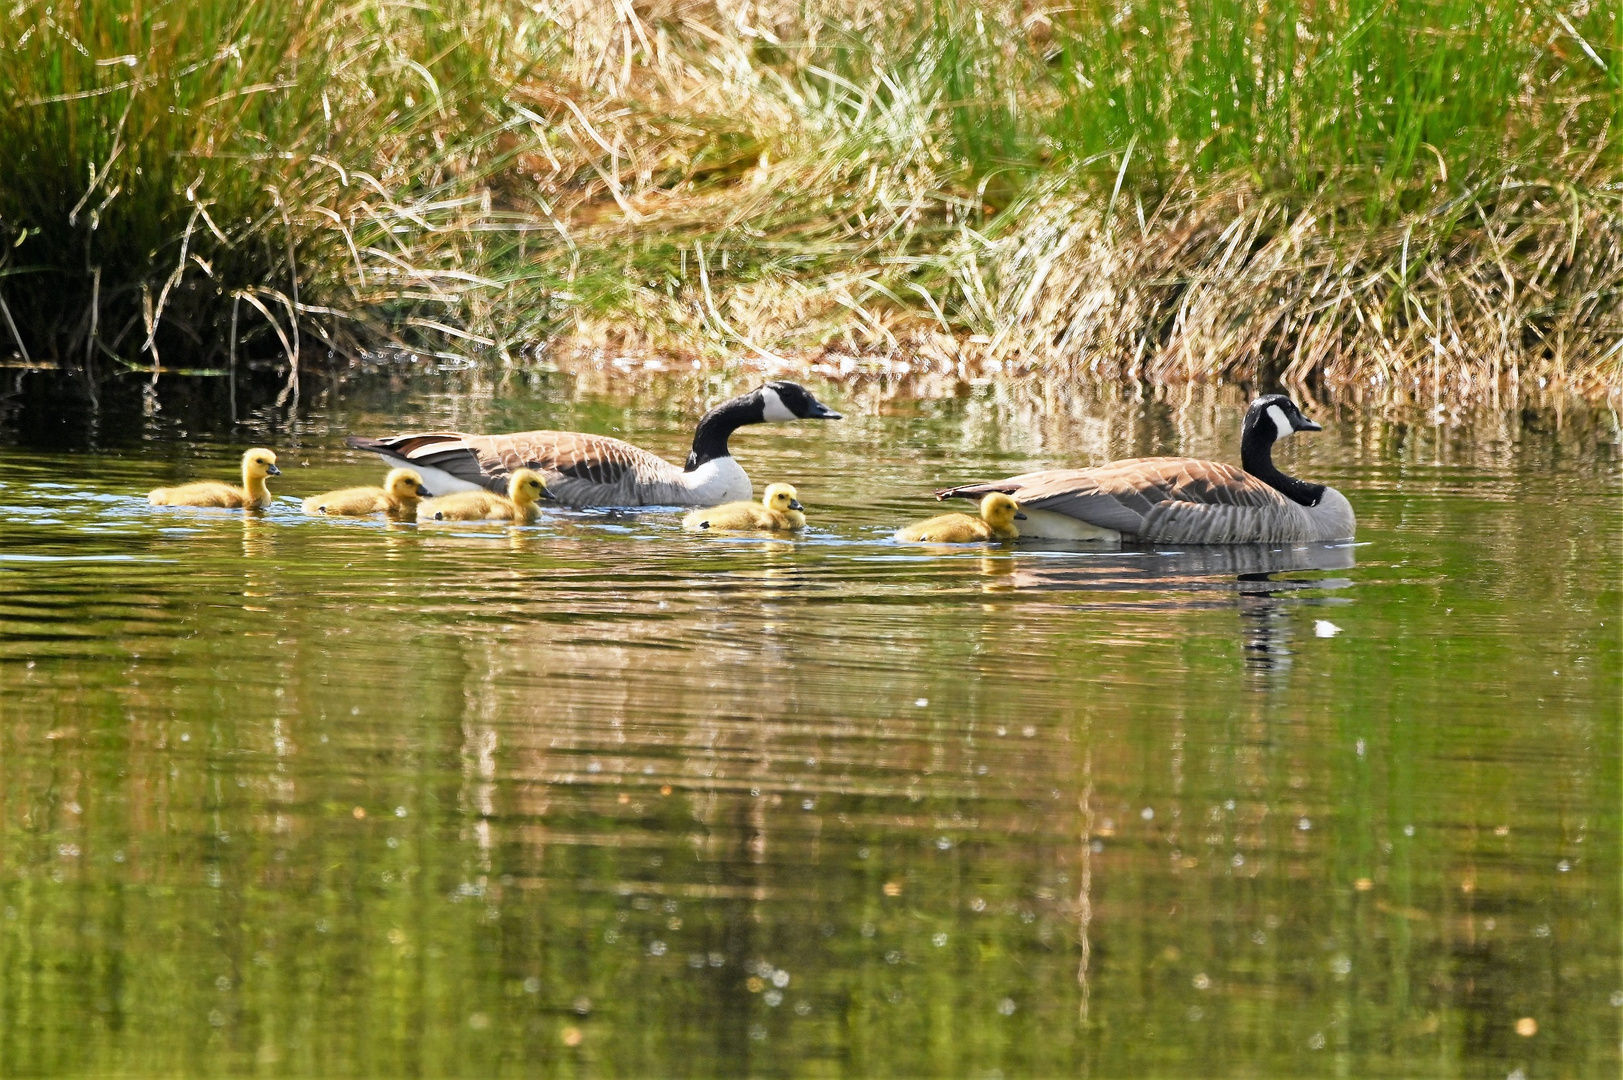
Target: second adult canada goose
x,y
398,497
997,522
778,511
1185,500
521,504
596,470
257,464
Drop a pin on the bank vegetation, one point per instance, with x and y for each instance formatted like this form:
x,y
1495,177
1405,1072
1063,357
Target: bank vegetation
x,y
1387,193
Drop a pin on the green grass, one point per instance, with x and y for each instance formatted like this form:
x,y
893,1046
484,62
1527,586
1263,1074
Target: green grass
x,y
1053,185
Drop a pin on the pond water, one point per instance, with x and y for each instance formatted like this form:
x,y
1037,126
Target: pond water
x,y
286,796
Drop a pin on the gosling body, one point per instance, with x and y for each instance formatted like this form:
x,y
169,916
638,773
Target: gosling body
x,y
520,505
997,522
257,465
778,511
398,497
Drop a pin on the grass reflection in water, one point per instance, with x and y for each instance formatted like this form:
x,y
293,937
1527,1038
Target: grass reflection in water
x,y
315,797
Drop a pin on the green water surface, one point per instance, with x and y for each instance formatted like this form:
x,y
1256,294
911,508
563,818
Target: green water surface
x,y
596,797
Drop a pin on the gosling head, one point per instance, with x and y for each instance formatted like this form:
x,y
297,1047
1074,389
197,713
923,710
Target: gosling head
x,y
780,497
405,484
525,487
1001,510
259,463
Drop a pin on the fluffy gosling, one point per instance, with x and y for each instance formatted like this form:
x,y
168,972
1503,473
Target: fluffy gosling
x,y
397,497
778,511
521,504
998,515
257,464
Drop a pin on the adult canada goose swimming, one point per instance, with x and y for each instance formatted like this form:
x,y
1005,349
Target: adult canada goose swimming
x,y
997,522
778,511
1185,500
257,464
521,504
596,470
397,497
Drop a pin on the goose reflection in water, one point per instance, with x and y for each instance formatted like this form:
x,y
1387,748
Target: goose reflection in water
x,y
1209,577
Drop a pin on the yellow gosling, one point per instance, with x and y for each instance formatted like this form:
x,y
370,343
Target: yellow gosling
x,y
521,504
778,511
257,464
397,497
998,515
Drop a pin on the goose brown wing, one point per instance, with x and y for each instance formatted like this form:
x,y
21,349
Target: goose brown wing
x,y
488,460
1137,495
573,455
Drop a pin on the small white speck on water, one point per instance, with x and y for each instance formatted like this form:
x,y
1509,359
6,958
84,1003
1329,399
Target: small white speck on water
x,y
1563,866
1316,1041
1359,747
1617,999
1006,1006
1408,830
773,998
1325,628
938,940
1202,981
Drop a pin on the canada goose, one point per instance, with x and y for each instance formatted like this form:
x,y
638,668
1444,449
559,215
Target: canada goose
x,y
397,497
778,511
998,515
596,470
1185,500
521,503
257,464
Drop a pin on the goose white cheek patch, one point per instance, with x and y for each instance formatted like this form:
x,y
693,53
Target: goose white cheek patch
x,y
1282,426
773,410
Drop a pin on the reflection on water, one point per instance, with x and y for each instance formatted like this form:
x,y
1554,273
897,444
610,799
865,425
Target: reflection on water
x,y
309,797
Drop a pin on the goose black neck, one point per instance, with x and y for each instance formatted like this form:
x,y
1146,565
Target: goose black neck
x,y
710,440
1257,458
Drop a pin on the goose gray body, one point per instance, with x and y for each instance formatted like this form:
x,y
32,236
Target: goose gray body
x,y
597,470
1171,500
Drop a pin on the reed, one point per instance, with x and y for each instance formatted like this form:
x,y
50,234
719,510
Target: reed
x,y
1180,189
